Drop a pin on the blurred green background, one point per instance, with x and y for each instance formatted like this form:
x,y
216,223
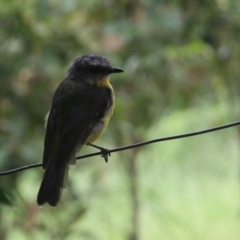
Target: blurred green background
x,y
182,67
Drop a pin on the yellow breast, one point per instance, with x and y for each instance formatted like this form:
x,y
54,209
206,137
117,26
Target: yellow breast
x,y
101,126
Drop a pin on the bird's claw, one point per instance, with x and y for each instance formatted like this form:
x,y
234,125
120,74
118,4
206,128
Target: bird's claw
x,y
105,154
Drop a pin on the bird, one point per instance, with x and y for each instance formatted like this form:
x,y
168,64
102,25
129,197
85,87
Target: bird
x,y
81,108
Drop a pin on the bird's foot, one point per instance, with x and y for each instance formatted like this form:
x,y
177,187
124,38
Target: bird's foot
x,y
105,153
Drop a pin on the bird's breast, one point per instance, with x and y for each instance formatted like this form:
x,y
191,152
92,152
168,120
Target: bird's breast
x,y
102,123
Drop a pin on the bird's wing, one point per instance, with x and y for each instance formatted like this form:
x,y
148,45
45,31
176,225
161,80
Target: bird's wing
x,y
75,110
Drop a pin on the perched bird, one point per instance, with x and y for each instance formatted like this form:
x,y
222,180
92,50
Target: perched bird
x,y
81,109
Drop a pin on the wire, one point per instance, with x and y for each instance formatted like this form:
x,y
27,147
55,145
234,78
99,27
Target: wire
x,y
20,169
132,146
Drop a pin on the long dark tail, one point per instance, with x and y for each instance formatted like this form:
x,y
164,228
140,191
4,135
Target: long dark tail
x,y
54,180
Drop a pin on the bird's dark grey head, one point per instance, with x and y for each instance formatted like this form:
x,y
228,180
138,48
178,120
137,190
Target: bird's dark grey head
x,y
91,65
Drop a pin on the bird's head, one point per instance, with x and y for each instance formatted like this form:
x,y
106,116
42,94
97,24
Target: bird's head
x,y
91,69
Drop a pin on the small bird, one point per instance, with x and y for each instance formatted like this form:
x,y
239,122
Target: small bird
x,y
81,109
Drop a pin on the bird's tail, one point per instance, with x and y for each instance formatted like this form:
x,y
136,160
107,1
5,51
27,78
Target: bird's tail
x,y
54,180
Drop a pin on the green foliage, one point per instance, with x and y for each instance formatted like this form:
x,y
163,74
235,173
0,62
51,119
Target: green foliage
x,y
181,62
4,196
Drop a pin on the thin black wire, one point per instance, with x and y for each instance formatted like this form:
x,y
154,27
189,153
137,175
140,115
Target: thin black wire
x,y
163,139
132,146
21,169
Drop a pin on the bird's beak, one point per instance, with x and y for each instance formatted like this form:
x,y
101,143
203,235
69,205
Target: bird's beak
x,y
116,70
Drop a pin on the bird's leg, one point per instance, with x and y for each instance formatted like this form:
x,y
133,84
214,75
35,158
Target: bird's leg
x,y
105,152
